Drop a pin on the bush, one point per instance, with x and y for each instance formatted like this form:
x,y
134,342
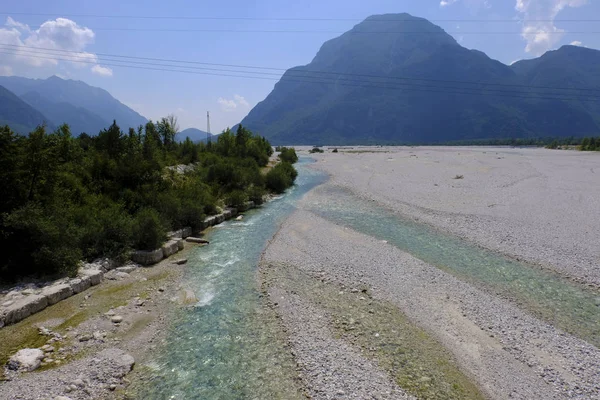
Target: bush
x,y
236,199
335,150
288,155
148,231
281,177
315,150
255,194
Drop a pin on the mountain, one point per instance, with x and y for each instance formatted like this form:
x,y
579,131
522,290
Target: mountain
x,y
195,135
396,78
79,119
20,116
85,107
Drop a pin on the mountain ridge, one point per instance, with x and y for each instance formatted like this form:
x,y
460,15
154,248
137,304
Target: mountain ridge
x,y
412,83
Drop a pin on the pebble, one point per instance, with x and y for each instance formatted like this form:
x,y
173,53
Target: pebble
x,y
117,319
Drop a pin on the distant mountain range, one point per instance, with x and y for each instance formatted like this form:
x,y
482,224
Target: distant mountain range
x,y
195,135
85,108
396,78
16,113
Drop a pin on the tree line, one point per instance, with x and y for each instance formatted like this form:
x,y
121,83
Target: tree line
x,y
69,198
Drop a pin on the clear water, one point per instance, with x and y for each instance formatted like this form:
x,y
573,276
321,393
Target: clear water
x,y
563,303
223,348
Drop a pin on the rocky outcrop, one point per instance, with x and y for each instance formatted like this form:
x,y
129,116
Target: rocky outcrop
x,y
169,248
26,360
22,308
197,240
56,293
147,257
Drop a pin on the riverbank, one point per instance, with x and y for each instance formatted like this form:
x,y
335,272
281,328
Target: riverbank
x,y
538,205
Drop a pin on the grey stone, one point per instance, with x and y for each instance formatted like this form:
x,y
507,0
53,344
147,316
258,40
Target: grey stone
x,y
197,240
185,232
181,261
26,360
62,398
56,293
127,268
23,308
170,248
47,348
117,319
147,257
180,244
94,275
79,285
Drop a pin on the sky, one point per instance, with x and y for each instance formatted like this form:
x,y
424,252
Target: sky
x,y
277,34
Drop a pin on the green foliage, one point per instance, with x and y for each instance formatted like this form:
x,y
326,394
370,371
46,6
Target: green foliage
x,y
288,155
281,177
335,150
87,197
148,230
590,144
315,150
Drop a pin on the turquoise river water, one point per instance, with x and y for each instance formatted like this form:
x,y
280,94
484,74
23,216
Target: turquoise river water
x,y
224,349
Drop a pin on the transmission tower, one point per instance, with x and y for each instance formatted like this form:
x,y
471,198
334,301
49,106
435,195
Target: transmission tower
x,y
208,127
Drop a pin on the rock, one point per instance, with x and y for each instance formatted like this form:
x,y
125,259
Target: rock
x,y
170,248
62,398
180,244
79,285
187,297
147,257
110,313
127,269
23,308
239,218
79,383
181,261
56,293
161,289
94,275
117,319
8,303
185,232
26,359
85,337
28,292
197,240
47,348
112,387
99,335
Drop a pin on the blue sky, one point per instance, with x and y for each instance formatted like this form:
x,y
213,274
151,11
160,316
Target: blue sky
x,y
189,96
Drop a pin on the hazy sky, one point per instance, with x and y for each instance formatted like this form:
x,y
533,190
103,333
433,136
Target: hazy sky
x,y
69,25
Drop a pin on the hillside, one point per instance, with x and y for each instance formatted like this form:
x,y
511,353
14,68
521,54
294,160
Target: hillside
x,y
84,107
356,90
19,115
195,135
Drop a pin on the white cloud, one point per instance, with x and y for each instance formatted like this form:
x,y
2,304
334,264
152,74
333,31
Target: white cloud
x,y
102,71
577,43
38,48
444,3
538,16
238,102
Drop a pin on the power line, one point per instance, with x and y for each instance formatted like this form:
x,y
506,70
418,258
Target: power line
x,y
295,74
214,18
353,32
368,84
333,73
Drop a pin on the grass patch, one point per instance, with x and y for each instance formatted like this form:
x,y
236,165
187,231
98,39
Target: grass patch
x,y
416,361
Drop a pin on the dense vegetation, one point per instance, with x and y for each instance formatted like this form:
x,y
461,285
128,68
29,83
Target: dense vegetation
x,y
583,144
287,154
404,87
67,199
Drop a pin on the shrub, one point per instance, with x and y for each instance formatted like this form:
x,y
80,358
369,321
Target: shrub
x,y
281,177
255,194
236,199
335,150
316,150
148,230
288,155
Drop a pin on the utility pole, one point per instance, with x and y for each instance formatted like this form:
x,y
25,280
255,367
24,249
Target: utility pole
x,y
208,127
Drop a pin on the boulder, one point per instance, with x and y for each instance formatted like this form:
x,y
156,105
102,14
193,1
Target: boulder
x,y
147,257
170,248
187,297
56,293
239,218
94,275
210,221
197,240
180,244
23,308
26,360
127,269
78,285
181,261
185,232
